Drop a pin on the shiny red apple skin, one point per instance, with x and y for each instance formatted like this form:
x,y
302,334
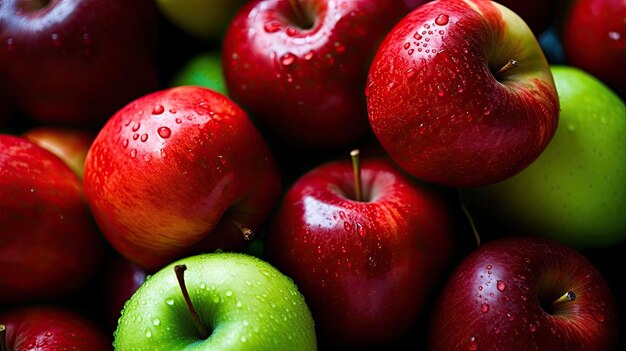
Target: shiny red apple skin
x,y
70,144
436,106
594,39
121,279
75,62
365,268
51,328
49,243
496,298
305,86
170,172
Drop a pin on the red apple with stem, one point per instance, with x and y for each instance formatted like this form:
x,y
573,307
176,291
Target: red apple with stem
x,y
524,294
299,67
460,94
49,243
70,144
49,328
594,39
177,172
77,61
365,245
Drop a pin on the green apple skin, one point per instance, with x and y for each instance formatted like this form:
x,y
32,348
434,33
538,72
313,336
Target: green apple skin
x,y
205,19
248,304
203,70
575,192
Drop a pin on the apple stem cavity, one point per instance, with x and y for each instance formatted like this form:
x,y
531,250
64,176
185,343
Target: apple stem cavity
x,y
303,20
567,297
356,167
203,331
507,67
3,338
247,233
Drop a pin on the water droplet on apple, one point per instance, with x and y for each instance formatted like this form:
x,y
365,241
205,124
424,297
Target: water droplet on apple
x,y
243,339
48,334
135,136
510,316
164,132
169,302
473,344
441,20
56,40
287,59
179,121
202,286
417,36
532,328
245,323
125,143
133,153
496,330
486,111
407,45
484,308
410,52
228,293
291,31
339,47
272,26
501,285
158,109
309,55
144,137
361,230
156,322
10,44
216,299
148,334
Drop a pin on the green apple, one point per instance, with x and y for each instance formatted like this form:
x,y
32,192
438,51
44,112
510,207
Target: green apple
x,y
244,302
206,19
204,70
575,192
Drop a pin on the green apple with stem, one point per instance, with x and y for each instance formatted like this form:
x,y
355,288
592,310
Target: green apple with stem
x,y
575,192
205,70
216,301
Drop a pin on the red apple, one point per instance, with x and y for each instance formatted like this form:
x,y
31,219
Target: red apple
x,y
122,278
51,328
594,38
524,294
177,172
49,243
71,145
448,104
77,61
365,267
299,67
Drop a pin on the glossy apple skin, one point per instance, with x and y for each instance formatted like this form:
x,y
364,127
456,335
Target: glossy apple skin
x,y
594,39
49,243
247,303
121,279
493,301
575,192
365,268
169,172
305,86
443,116
76,62
70,144
51,328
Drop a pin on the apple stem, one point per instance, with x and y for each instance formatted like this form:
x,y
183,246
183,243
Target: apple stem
x,y
200,327
301,17
3,338
469,219
567,297
247,233
356,167
509,65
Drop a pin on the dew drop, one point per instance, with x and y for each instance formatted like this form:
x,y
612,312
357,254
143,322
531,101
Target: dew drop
x,y
410,52
441,20
501,285
272,27
56,40
291,31
309,55
407,45
473,344
361,230
532,328
179,121
287,59
135,136
125,143
133,153
417,36
243,339
228,293
144,137
164,132
484,308
158,109
169,302
156,322
10,44
136,126
148,334
486,111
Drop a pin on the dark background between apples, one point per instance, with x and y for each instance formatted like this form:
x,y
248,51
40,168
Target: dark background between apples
x,y
176,48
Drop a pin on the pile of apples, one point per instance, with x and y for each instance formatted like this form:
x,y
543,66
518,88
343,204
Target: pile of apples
x,y
312,174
